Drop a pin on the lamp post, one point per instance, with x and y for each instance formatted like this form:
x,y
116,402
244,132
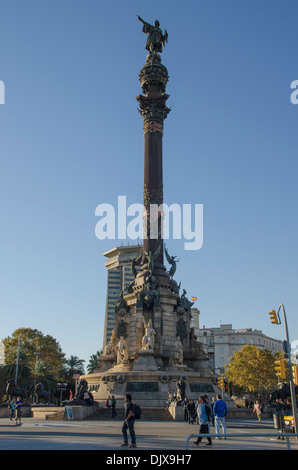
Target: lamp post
x,y
36,361
18,358
287,350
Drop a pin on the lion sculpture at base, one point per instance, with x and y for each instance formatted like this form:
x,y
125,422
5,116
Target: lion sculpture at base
x,y
39,393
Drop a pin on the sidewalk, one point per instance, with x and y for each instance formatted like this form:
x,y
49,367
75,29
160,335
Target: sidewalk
x,y
37,434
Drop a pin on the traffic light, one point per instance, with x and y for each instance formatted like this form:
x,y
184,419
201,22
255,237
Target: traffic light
x,y
280,368
295,374
220,382
273,316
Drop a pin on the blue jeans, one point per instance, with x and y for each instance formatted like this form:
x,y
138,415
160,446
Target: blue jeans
x,y
222,422
129,425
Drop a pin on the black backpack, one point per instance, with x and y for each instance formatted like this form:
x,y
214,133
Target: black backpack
x,y
137,411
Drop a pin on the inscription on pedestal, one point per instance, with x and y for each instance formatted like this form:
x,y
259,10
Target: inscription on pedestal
x,y
142,387
201,388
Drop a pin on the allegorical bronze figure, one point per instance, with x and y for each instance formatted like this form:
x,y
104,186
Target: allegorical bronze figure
x,y
155,38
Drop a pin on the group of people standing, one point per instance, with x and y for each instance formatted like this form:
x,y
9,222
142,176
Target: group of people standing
x,y
280,409
15,406
111,406
205,414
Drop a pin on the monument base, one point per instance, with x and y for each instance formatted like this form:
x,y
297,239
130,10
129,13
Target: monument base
x,y
150,389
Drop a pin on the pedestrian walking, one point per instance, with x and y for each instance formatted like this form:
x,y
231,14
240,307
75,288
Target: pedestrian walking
x,y
204,417
113,405
128,423
212,408
258,410
220,410
12,406
18,413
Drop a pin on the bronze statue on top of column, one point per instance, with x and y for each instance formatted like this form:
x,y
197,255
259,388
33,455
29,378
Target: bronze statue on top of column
x,y
155,38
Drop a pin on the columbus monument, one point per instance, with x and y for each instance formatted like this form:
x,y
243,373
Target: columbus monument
x,y
153,349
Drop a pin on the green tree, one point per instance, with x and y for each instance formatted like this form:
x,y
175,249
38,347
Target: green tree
x,y
253,369
33,341
93,362
43,373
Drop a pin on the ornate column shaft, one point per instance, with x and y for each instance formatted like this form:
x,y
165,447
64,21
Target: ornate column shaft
x,y
153,109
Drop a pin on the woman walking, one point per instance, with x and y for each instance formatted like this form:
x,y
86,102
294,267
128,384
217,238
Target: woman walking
x,y
258,410
204,417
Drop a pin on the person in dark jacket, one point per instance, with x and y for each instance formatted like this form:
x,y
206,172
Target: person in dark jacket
x,y
191,409
128,422
279,411
185,404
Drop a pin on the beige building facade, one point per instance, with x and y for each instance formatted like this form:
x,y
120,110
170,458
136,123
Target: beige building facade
x,y
221,342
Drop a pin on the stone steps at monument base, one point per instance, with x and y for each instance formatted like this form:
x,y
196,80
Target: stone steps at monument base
x,y
154,414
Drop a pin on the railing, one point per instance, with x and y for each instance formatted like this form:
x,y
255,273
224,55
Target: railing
x,y
259,434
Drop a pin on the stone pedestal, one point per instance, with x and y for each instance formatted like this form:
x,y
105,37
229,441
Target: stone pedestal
x,y
145,361
151,363
150,389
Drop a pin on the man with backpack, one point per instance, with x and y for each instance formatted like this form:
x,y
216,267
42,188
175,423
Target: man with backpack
x,y
128,422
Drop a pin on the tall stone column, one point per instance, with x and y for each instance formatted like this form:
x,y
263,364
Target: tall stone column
x,y
153,78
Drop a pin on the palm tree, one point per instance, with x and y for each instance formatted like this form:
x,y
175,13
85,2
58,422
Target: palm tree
x,y
9,369
93,362
45,376
72,366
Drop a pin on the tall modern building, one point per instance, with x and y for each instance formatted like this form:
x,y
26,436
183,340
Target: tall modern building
x,y
119,276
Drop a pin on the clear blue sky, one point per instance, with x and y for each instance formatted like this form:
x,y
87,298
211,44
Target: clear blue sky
x,y
71,138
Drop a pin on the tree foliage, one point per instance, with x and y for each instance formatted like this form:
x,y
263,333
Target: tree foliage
x,y
72,366
33,341
93,362
253,369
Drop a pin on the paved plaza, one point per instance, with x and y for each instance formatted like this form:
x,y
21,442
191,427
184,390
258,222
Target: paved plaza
x,y
37,434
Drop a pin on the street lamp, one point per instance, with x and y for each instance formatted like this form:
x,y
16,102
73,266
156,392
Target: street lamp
x,y
287,350
36,361
17,361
